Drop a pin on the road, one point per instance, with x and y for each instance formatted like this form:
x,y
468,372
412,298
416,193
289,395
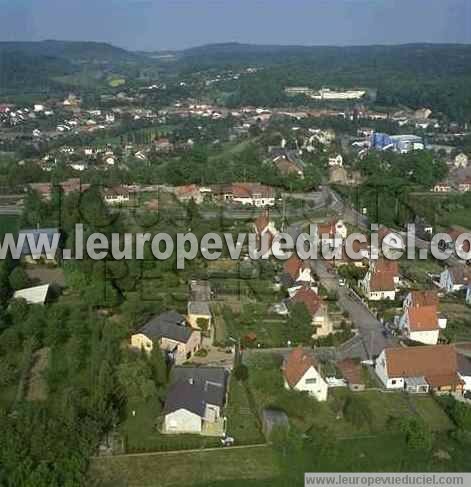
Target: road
x,y
371,340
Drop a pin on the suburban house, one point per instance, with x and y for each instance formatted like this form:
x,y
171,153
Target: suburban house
x,y
442,187
352,374
461,161
265,229
287,162
171,332
195,401
432,368
336,161
117,195
68,186
190,192
301,372
464,185
331,234
33,295
40,237
296,274
317,309
381,280
198,312
251,194
455,278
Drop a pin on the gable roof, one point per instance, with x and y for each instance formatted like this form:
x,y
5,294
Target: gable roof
x,y
262,222
423,318
427,361
309,298
351,371
294,265
171,325
194,387
297,364
382,281
424,298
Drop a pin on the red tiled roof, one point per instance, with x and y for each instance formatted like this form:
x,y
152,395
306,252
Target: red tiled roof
x,y
293,266
382,281
423,318
424,298
351,371
309,298
426,361
297,364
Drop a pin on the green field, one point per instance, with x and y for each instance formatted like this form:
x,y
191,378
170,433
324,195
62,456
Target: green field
x,y
185,469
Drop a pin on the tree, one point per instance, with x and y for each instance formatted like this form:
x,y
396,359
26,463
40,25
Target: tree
x,y
158,365
19,279
241,373
418,434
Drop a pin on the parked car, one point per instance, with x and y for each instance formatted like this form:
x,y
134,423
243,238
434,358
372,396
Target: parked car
x,y
227,441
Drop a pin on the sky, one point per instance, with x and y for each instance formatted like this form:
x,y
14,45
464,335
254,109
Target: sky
x,y
177,24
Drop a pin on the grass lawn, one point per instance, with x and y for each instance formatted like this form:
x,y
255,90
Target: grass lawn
x,y
416,270
309,415
242,423
432,413
186,469
142,434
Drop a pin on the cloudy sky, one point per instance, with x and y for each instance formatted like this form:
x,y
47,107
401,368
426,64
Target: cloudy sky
x,y
165,24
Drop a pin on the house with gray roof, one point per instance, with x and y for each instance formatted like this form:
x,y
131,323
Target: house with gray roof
x,y
173,335
195,401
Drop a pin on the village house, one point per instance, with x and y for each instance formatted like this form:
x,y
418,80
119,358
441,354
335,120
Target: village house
x,y
68,186
246,194
464,186
316,308
442,187
421,320
266,231
189,192
381,280
195,401
163,145
336,161
455,278
171,332
330,234
461,161
301,372
352,373
296,274
432,368
287,162
117,196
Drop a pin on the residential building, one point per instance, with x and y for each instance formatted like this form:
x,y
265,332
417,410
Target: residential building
x,y
296,274
195,401
171,332
422,324
381,280
432,368
352,374
455,278
442,187
461,161
301,372
117,195
316,308
464,186
336,161
246,194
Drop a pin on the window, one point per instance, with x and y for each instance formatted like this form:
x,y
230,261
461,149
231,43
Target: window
x,y
393,382
311,381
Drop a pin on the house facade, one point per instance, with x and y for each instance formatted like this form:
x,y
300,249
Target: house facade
x,y
455,278
422,369
301,372
179,341
195,401
321,323
381,280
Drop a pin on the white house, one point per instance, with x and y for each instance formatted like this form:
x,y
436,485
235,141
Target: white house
x,y
420,369
266,231
336,161
421,320
301,372
381,280
195,401
461,160
455,278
